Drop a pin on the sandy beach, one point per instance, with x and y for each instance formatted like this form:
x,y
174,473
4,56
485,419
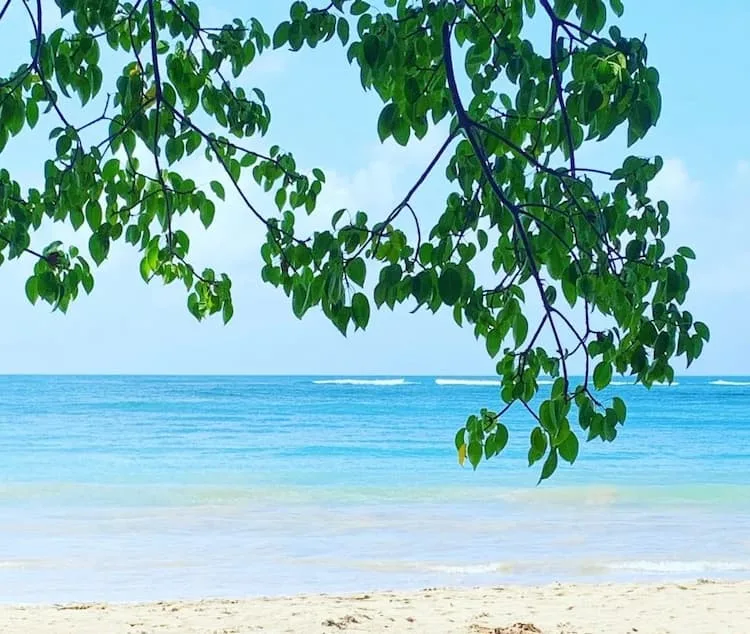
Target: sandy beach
x,y
695,608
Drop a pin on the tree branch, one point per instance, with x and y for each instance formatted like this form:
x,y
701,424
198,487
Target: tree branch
x,y
466,124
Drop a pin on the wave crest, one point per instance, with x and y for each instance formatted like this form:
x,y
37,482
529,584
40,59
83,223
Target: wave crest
x,y
381,382
681,566
474,382
471,569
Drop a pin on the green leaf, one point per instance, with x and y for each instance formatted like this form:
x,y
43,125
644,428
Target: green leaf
x,y
401,131
640,120
538,445
358,7
520,329
494,341
618,405
87,281
386,120
94,214
47,286
280,199
300,297
173,149
548,417
702,330
298,10
501,438
474,451
594,100
568,449
227,311
281,35
342,30
450,285
207,213
360,310
356,271
32,113
550,465
76,218
133,234
602,375
647,334
482,239
634,250
98,247
371,48
422,287
218,189
110,169
31,289
336,217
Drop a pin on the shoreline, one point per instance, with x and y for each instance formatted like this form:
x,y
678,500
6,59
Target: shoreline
x,y
702,606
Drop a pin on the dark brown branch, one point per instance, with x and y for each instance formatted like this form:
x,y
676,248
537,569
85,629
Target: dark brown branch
x,y
466,124
561,98
157,119
4,9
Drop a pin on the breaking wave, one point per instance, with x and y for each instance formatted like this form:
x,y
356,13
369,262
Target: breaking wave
x,y
481,382
381,382
681,566
474,382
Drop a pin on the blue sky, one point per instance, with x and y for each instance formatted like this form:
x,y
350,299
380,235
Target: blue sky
x,y
321,114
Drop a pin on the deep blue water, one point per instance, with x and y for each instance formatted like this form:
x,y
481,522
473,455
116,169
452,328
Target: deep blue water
x,y
127,488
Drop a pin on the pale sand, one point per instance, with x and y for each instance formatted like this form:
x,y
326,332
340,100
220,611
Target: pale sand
x,y
694,608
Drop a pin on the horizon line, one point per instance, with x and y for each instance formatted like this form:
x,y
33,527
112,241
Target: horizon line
x,y
305,374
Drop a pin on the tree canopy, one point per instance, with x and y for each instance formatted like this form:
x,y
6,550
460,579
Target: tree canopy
x,y
548,260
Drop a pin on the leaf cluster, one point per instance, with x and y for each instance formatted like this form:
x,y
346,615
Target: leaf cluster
x,y
524,222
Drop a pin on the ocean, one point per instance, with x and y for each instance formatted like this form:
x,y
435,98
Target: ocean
x,y
126,488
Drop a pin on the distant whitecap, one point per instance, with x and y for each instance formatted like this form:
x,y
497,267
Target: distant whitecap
x,y
380,382
681,566
474,382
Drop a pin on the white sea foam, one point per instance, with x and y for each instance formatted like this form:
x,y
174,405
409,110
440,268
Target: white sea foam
x,y
681,566
472,569
737,383
474,382
381,382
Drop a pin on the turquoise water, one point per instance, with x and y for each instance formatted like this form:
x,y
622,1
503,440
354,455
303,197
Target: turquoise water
x,y
132,488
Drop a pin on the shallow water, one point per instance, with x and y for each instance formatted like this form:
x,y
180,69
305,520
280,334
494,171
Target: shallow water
x,y
130,488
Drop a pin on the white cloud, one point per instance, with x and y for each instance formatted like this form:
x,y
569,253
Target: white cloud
x,y
675,185
127,326
715,222
234,239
